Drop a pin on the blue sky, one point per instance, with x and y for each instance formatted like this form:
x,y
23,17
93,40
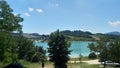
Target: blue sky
x,y
46,16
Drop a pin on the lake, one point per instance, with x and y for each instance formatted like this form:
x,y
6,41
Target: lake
x,y
77,47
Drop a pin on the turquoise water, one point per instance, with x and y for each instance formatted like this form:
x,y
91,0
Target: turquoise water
x,y
77,47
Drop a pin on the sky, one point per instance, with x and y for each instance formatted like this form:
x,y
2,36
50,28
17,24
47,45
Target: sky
x,y
46,16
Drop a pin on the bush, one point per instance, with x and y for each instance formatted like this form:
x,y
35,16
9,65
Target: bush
x,y
92,55
35,58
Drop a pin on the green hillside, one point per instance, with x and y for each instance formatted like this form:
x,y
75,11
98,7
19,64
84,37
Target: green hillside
x,y
76,35
79,35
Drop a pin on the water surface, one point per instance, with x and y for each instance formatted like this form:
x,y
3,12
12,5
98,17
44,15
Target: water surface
x,y
77,47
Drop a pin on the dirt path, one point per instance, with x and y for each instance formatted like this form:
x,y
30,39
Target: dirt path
x,y
92,61
89,61
71,66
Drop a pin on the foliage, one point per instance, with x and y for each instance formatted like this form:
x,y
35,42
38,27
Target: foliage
x,y
80,57
13,47
92,55
39,55
99,47
35,58
42,52
77,33
114,50
9,22
107,48
102,36
58,49
7,48
25,48
28,51
92,47
103,47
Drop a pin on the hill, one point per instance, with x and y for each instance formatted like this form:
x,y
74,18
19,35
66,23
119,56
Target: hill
x,y
79,35
88,36
33,36
114,33
76,35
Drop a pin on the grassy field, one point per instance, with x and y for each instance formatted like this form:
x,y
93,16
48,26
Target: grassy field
x,y
85,65
70,65
36,65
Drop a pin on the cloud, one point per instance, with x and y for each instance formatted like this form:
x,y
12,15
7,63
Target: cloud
x,y
15,14
39,10
27,14
31,9
114,23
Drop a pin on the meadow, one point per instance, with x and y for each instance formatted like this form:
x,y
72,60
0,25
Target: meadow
x,y
70,65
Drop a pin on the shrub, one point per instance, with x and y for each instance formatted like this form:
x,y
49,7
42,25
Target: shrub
x,y
92,55
35,58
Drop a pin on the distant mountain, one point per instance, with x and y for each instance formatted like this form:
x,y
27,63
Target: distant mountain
x,y
114,33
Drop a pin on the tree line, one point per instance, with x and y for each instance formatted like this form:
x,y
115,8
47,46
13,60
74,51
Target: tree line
x,y
107,49
14,48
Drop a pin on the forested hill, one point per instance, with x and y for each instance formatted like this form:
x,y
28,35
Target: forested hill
x,y
33,36
77,35
88,36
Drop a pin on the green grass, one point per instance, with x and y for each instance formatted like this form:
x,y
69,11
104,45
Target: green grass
x,y
35,65
70,65
29,64
3,64
85,58
85,65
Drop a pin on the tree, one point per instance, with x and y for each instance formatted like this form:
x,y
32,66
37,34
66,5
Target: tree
x,y
92,47
80,57
8,23
58,49
114,50
92,55
101,47
42,52
108,49
8,47
25,48
39,55
28,51
104,49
